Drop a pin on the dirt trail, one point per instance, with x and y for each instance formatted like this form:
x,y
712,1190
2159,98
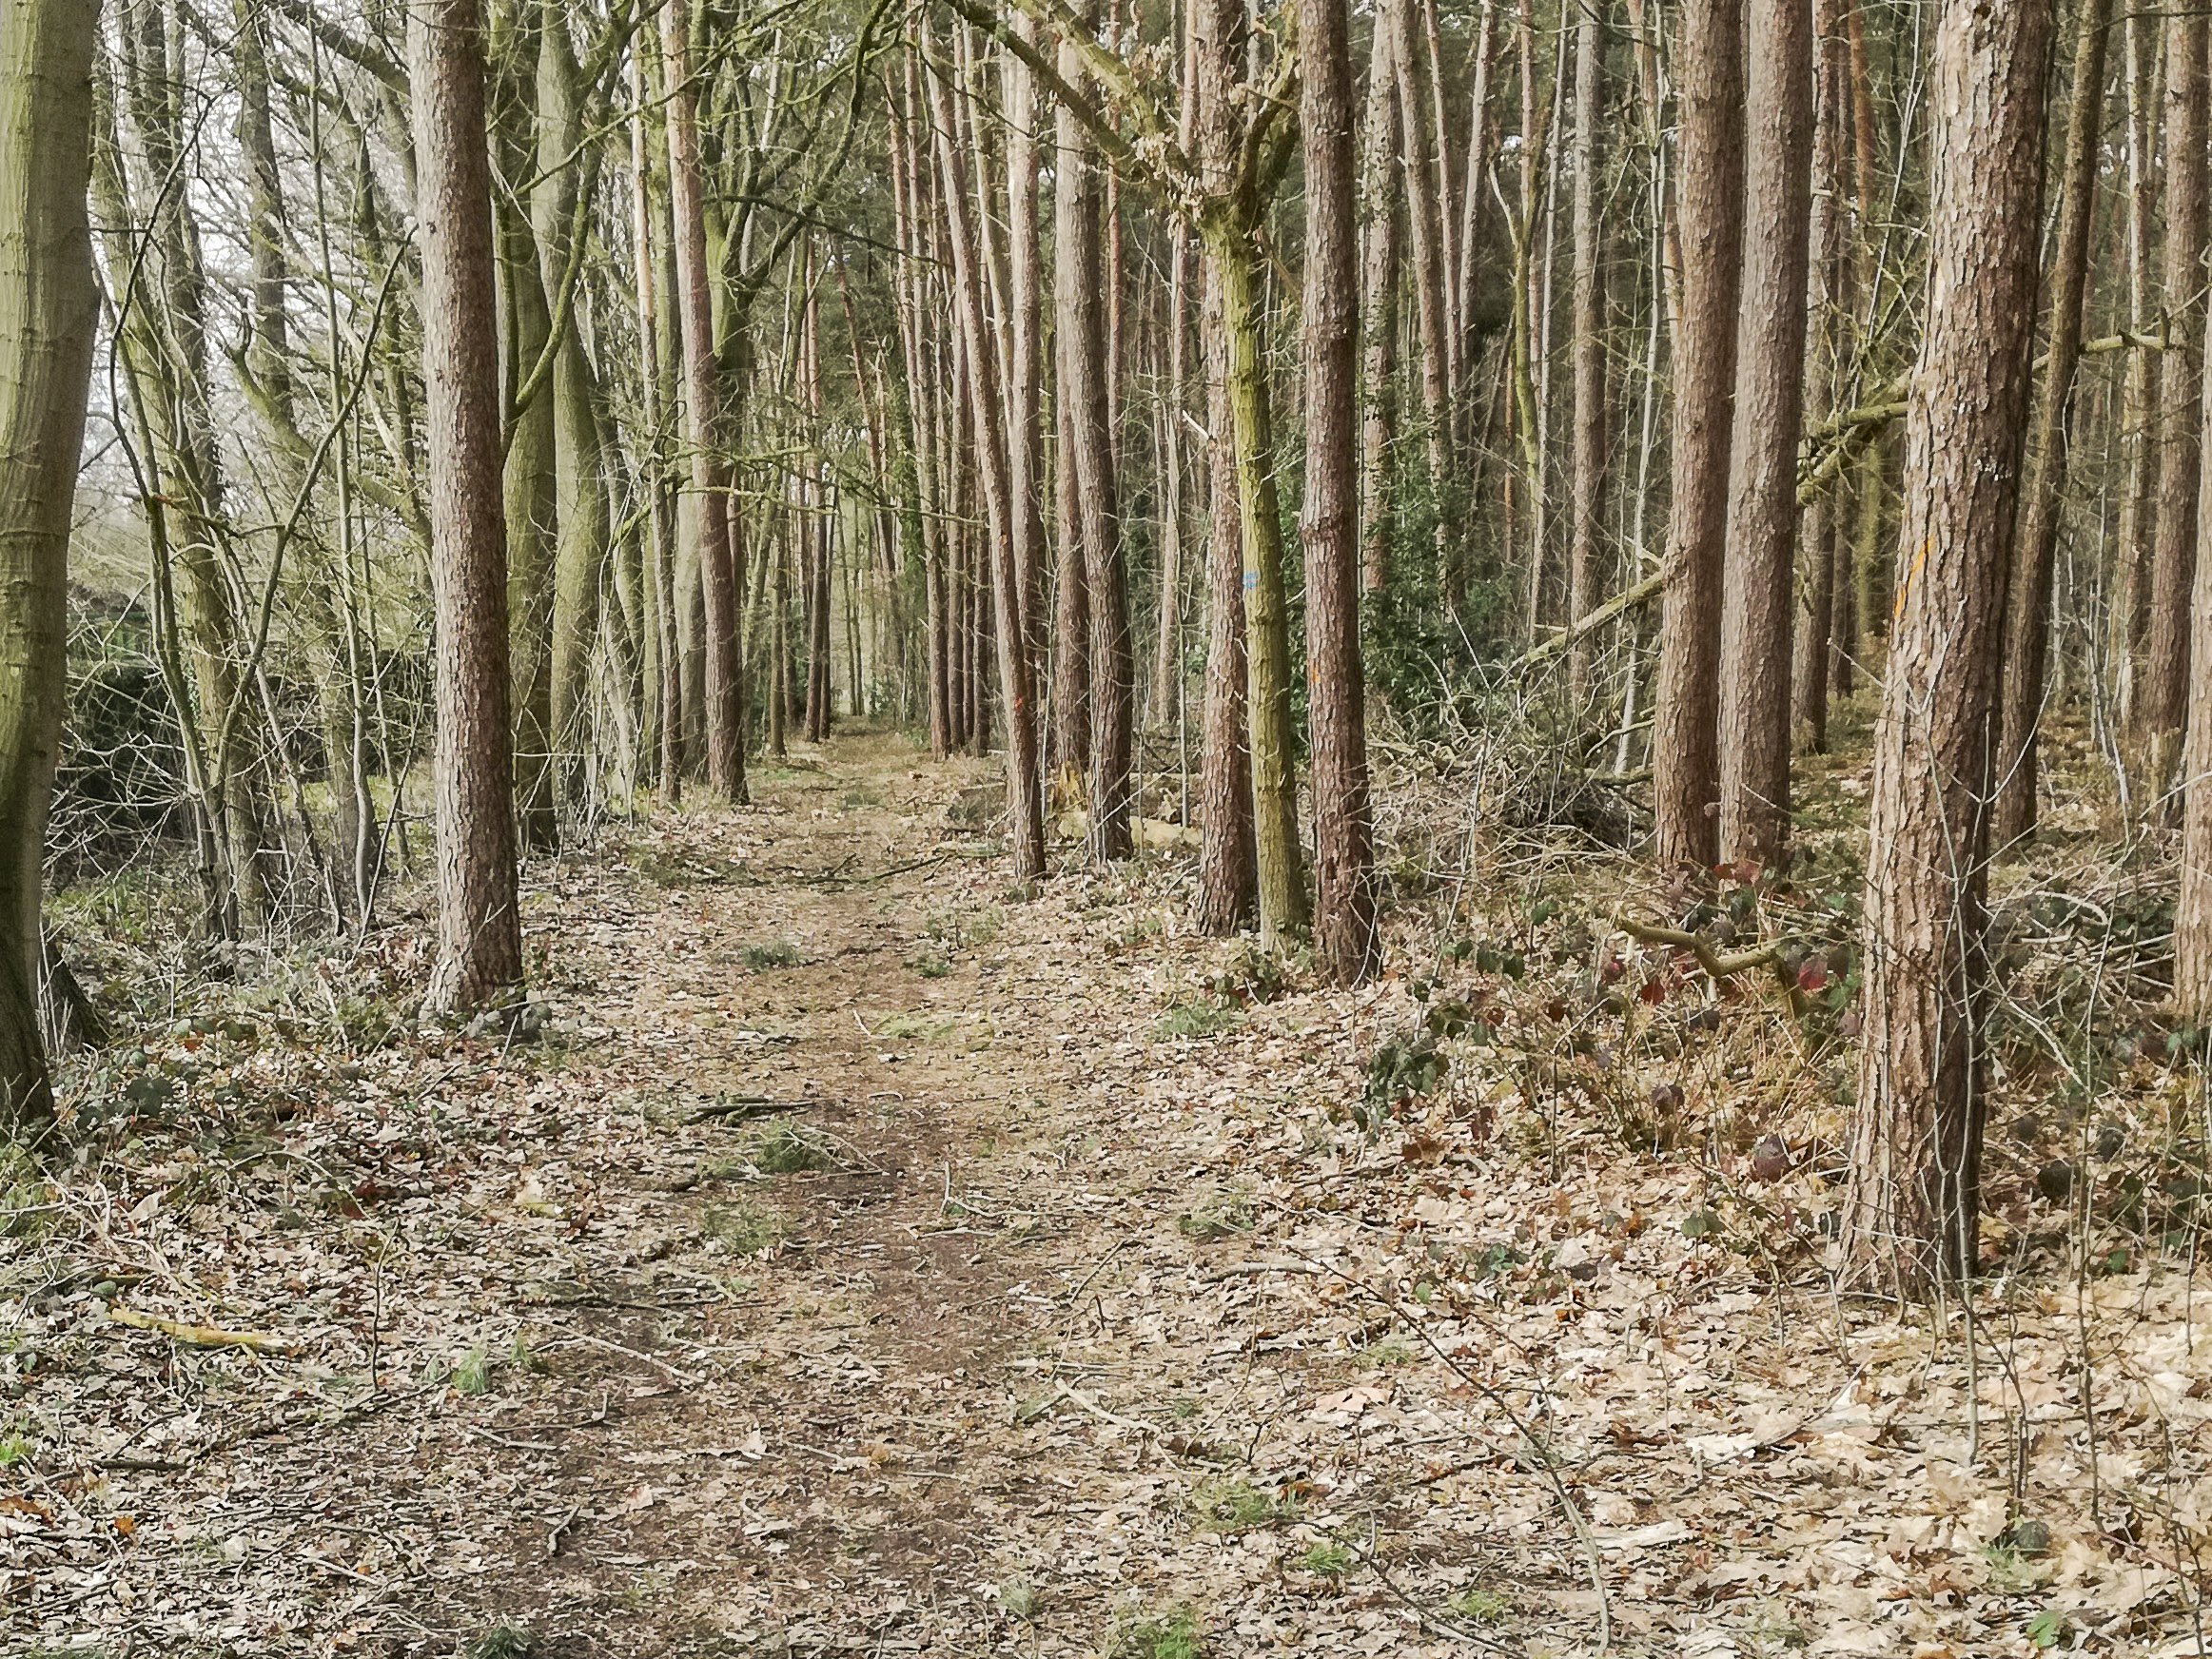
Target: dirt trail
x,y
967,1349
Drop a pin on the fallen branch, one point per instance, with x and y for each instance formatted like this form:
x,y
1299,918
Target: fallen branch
x,y
203,1335
1716,965
745,1106
1619,605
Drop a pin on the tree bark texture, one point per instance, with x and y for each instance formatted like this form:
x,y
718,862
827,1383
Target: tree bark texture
x,y
2027,611
1328,522
1685,752
1770,412
479,956
1912,1205
48,305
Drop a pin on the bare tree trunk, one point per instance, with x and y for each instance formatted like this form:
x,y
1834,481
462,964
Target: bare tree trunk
x,y
2139,405
1770,413
1912,1209
1071,606
1685,744
2027,611
1585,579
580,460
1024,371
1227,858
1328,526
1827,286
1079,285
49,306
1378,290
1025,795
1424,222
650,231
2166,661
1168,671
479,957
724,688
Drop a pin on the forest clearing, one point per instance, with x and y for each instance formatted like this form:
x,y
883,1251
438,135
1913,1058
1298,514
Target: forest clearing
x,y
1150,828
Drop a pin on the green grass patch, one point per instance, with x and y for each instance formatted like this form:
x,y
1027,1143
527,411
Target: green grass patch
x,y
760,957
503,1641
1482,1607
1177,1634
743,1229
788,1148
1233,1504
1326,1560
1198,1020
1217,1216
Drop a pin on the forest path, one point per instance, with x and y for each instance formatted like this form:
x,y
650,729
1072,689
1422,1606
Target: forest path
x,y
935,1395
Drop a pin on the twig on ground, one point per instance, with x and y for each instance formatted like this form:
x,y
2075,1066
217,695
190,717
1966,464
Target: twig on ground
x,y
205,1336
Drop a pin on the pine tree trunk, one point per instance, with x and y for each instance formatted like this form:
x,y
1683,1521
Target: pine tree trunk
x,y
1328,526
1770,414
1912,1206
1071,601
2028,610
479,956
1685,744
1024,336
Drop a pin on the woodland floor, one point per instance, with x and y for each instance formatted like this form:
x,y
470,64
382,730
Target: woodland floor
x,y
1066,1311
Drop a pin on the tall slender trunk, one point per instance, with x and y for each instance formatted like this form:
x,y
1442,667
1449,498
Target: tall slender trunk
x,y
2139,404
1328,524
479,958
1168,671
1685,745
2166,660
1912,1206
1770,413
1227,858
1379,292
1025,795
1229,228
1820,524
580,459
1024,350
2028,610
1079,283
723,693
49,308
649,231
1424,222
1585,578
